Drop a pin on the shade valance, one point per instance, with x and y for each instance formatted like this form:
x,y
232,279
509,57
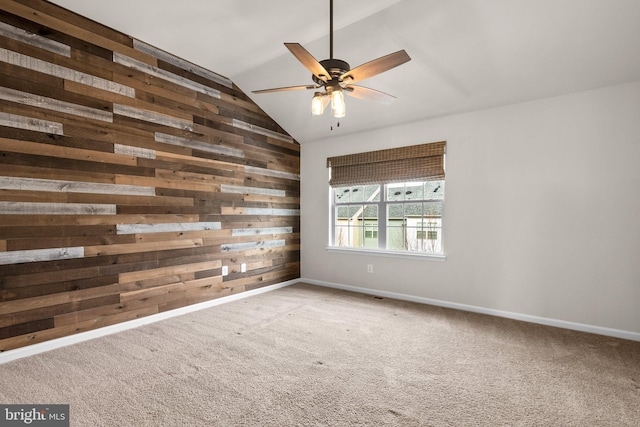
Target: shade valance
x,y
424,162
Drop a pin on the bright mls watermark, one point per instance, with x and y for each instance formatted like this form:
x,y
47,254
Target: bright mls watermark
x,y
34,415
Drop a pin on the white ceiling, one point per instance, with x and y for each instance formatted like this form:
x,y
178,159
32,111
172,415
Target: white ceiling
x,y
466,54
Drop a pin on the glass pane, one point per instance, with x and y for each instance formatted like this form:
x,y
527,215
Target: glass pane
x,y
358,236
433,241
433,209
396,236
355,215
414,191
434,190
342,213
372,193
371,238
371,213
413,210
395,212
412,241
357,194
371,226
371,243
341,194
395,192
342,236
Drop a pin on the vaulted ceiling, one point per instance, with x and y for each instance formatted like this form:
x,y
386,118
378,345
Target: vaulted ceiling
x,y
466,54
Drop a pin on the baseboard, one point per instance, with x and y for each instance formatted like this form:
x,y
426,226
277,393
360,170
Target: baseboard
x,y
9,355
617,333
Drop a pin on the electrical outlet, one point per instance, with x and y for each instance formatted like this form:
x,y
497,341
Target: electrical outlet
x,y
369,268
243,268
225,270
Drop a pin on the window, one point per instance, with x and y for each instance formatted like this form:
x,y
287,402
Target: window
x,y
407,218
401,212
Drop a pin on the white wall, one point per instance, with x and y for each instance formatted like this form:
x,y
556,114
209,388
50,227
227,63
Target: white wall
x,y
542,210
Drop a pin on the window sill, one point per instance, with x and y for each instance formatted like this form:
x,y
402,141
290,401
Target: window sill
x,y
392,254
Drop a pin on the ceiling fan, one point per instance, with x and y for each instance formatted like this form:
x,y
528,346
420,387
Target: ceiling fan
x,y
334,77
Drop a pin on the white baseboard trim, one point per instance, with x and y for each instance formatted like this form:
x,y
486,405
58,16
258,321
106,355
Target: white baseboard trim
x,y
617,333
10,355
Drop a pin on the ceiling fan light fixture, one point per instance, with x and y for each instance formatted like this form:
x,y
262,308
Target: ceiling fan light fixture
x,y
338,105
317,104
335,77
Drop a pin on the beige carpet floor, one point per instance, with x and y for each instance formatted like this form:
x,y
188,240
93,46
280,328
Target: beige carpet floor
x,y
310,356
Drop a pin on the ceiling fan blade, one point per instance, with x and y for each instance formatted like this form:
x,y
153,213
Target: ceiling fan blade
x,y
283,89
368,94
308,61
376,67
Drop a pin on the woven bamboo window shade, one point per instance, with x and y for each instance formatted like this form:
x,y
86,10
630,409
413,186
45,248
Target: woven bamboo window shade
x,y
424,162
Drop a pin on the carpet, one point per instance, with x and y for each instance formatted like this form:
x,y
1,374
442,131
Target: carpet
x,y
311,356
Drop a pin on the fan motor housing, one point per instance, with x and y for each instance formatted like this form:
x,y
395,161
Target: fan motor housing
x,y
335,67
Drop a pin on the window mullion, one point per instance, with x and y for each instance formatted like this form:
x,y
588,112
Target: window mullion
x,y
334,216
382,218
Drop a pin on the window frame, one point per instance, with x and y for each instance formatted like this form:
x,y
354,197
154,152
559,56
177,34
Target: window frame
x,y
382,208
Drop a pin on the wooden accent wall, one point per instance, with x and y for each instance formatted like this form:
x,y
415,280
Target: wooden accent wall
x,y
128,179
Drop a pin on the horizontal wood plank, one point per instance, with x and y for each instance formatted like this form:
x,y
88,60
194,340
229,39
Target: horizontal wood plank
x,y
34,39
139,247
158,272
181,63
